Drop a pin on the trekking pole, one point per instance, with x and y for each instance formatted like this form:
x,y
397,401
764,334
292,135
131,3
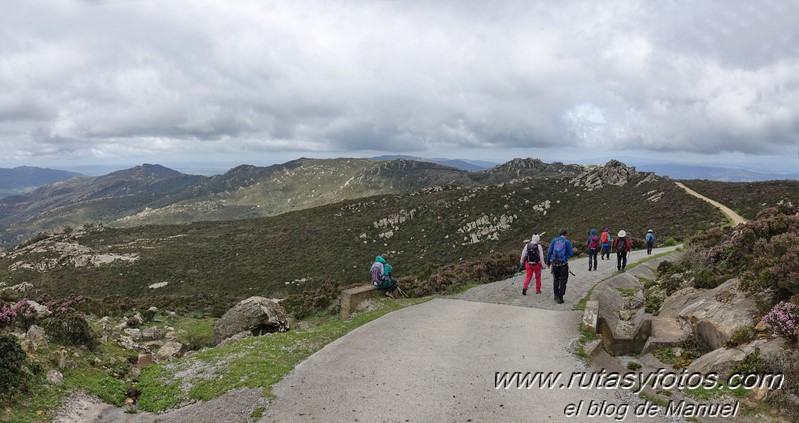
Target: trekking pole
x,y
513,282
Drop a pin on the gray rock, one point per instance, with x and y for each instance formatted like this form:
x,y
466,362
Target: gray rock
x,y
145,359
54,377
135,321
169,351
257,315
41,311
37,335
713,314
135,334
237,337
152,333
127,343
134,373
59,358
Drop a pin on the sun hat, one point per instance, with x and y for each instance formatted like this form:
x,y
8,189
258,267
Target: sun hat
x,y
622,234
649,230
535,238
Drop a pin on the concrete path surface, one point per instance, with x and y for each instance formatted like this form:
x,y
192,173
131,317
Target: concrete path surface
x,y
437,362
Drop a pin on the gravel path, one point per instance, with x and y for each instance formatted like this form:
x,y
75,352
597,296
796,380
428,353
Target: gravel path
x,y
735,217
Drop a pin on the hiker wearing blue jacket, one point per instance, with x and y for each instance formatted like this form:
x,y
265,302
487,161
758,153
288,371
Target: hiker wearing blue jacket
x,y
650,241
560,249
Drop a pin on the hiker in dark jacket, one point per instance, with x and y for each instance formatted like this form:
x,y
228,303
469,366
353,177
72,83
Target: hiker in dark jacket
x,y
593,248
606,241
560,249
532,258
650,241
381,275
623,247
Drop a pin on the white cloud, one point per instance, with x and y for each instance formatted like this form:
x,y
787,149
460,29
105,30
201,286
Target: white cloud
x,y
131,78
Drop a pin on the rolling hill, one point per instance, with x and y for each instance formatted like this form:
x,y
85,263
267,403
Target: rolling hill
x,y
287,253
153,194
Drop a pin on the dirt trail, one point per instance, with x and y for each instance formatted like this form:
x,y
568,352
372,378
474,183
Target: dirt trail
x,y
735,217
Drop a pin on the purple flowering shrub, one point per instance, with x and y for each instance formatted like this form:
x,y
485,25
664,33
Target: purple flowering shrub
x,y
8,314
783,318
763,252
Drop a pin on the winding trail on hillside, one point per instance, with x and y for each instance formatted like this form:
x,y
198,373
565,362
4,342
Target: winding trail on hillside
x,y
437,361
735,217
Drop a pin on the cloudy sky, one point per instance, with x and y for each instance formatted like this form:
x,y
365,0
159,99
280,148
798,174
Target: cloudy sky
x,y
131,81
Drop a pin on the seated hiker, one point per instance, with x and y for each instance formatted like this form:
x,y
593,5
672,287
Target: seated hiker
x,y
381,275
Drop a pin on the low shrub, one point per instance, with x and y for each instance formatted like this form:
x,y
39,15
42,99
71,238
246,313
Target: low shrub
x,y
312,300
670,242
742,335
14,376
783,318
652,304
69,327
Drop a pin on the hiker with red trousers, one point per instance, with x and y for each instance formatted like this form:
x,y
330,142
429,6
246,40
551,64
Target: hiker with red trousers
x,y
560,249
623,247
593,248
532,257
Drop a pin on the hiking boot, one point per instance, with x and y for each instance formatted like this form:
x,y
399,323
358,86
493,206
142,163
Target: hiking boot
x,y
560,300
390,294
524,291
538,292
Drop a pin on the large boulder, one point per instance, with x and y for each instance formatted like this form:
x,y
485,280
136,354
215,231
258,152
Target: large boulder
x,y
257,315
713,314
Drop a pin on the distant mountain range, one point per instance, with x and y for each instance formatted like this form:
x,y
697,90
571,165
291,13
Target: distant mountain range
x,y
26,178
154,194
468,165
679,171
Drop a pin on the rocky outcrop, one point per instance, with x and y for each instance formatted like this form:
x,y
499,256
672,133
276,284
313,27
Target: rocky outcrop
x,y
60,248
712,314
612,173
723,360
170,351
257,315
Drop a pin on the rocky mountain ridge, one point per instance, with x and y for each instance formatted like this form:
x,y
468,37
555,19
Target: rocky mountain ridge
x,y
153,194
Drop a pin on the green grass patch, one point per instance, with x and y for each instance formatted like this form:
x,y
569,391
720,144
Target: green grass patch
x,y
627,292
197,333
257,362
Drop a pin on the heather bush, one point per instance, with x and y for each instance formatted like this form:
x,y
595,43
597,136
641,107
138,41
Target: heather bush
x,y
13,368
69,327
786,363
783,319
26,314
8,314
311,300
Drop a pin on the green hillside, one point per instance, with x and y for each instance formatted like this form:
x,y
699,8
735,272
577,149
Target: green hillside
x,y
748,198
293,251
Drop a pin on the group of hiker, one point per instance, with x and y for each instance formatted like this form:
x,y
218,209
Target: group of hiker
x,y
560,249
535,261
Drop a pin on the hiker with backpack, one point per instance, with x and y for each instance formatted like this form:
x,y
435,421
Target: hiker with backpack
x,y
381,275
532,255
650,241
593,248
560,249
623,246
606,241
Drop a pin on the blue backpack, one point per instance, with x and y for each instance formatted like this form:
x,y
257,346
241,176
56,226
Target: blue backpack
x,y
559,251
